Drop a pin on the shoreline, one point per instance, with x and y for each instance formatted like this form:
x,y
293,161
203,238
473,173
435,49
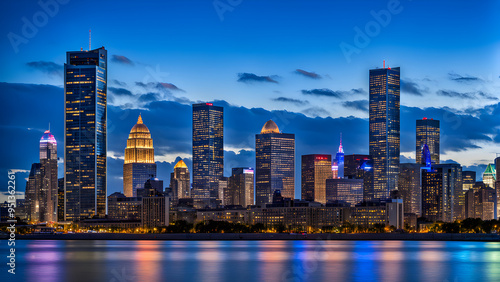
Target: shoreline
x,y
268,236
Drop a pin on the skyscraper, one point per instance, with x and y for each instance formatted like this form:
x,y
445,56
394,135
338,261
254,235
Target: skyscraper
x,y
489,175
139,165
409,186
85,143
180,182
41,188
441,192
342,190
497,185
241,186
384,130
340,159
275,163
208,152
48,162
427,133
316,169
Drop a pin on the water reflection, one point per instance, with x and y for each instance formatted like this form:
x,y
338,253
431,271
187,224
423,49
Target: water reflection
x,y
256,261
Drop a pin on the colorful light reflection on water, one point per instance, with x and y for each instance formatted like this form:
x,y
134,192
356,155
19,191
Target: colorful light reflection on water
x,y
255,261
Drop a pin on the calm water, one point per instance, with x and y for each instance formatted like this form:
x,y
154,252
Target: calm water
x,y
120,261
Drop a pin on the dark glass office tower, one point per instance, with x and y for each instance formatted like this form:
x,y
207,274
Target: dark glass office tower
x,y
48,191
275,163
427,133
384,130
85,77
409,186
241,186
139,164
316,169
208,152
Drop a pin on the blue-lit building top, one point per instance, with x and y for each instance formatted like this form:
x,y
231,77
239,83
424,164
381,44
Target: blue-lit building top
x,y
85,76
340,160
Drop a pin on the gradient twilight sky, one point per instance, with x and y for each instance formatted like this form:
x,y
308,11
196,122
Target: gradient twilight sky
x,y
260,60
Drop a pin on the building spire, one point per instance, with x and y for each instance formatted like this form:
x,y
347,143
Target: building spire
x,y
341,149
139,120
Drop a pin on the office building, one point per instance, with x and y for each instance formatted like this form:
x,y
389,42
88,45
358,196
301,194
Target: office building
x,y
60,199
409,186
208,152
348,191
468,179
340,159
497,185
315,170
139,164
275,163
180,182
121,207
241,186
481,203
85,77
490,175
441,191
384,129
427,133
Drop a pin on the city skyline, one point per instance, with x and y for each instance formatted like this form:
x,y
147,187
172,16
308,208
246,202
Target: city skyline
x,y
469,128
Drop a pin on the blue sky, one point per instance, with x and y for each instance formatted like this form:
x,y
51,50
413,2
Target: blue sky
x,y
261,60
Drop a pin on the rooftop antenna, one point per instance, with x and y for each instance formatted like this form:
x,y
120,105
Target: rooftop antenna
x,y
89,38
384,64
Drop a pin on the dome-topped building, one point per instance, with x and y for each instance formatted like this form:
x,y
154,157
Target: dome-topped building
x,y
139,163
270,127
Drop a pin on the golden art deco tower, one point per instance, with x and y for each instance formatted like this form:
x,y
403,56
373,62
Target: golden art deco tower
x,y
139,163
384,132
275,163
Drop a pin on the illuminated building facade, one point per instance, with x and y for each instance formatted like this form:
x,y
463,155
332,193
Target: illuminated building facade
x,y
60,199
180,182
275,163
241,187
85,76
427,133
42,185
139,164
468,179
340,159
489,175
358,166
441,191
481,203
121,207
409,186
316,169
344,190
384,132
208,152
497,185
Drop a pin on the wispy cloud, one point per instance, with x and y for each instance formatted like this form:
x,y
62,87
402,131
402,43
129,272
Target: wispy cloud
x,y
466,95
410,87
159,86
316,111
120,91
463,78
119,83
49,68
250,77
291,101
312,75
360,105
331,93
121,60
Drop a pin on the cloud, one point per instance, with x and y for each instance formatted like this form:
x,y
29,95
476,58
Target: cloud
x,y
250,77
49,68
308,74
316,111
120,91
360,105
291,101
331,93
119,83
409,87
463,79
465,95
121,60
159,86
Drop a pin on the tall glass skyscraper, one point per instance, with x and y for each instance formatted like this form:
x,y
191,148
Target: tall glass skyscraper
x,y
384,130
241,186
427,133
139,165
85,77
275,163
316,169
180,182
208,152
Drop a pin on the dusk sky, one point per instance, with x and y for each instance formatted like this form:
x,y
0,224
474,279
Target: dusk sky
x,y
303,64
